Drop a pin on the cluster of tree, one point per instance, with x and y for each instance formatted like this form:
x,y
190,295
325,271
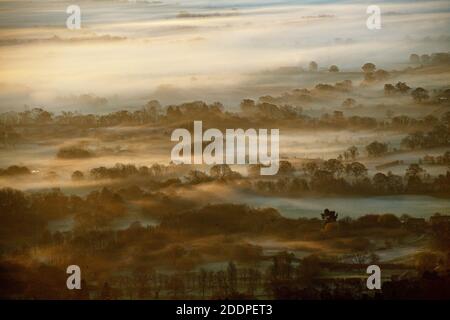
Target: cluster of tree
x,y
25,216
73,152
266,110
333,68
376,149
314,67
121,171
330,176
8,136
156,173
350,154
344,86
225,219
371,74
442,96
438,58
147,283
98,209
404,121
14,171
20,223
419,94
36,282
219,172
399,87
194,110
438,136
389,221
285,278
232,282
438,160
428,286
150,113
295,97
333,177
85,100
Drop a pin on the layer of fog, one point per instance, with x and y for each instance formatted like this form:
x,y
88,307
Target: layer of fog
x,y
124,145
312,207
212,52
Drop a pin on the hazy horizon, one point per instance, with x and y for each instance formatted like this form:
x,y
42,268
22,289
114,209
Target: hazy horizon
x,y
129,53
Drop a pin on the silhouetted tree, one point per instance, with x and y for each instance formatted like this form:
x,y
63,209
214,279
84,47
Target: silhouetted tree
x,y
376,149
313,66
414,58
329,216
420,94
333,68
368,67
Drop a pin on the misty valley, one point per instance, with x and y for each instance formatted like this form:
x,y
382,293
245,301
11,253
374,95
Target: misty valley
x,y
86,188
224,150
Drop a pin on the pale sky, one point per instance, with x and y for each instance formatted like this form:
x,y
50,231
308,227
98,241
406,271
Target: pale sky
x,y
125,50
